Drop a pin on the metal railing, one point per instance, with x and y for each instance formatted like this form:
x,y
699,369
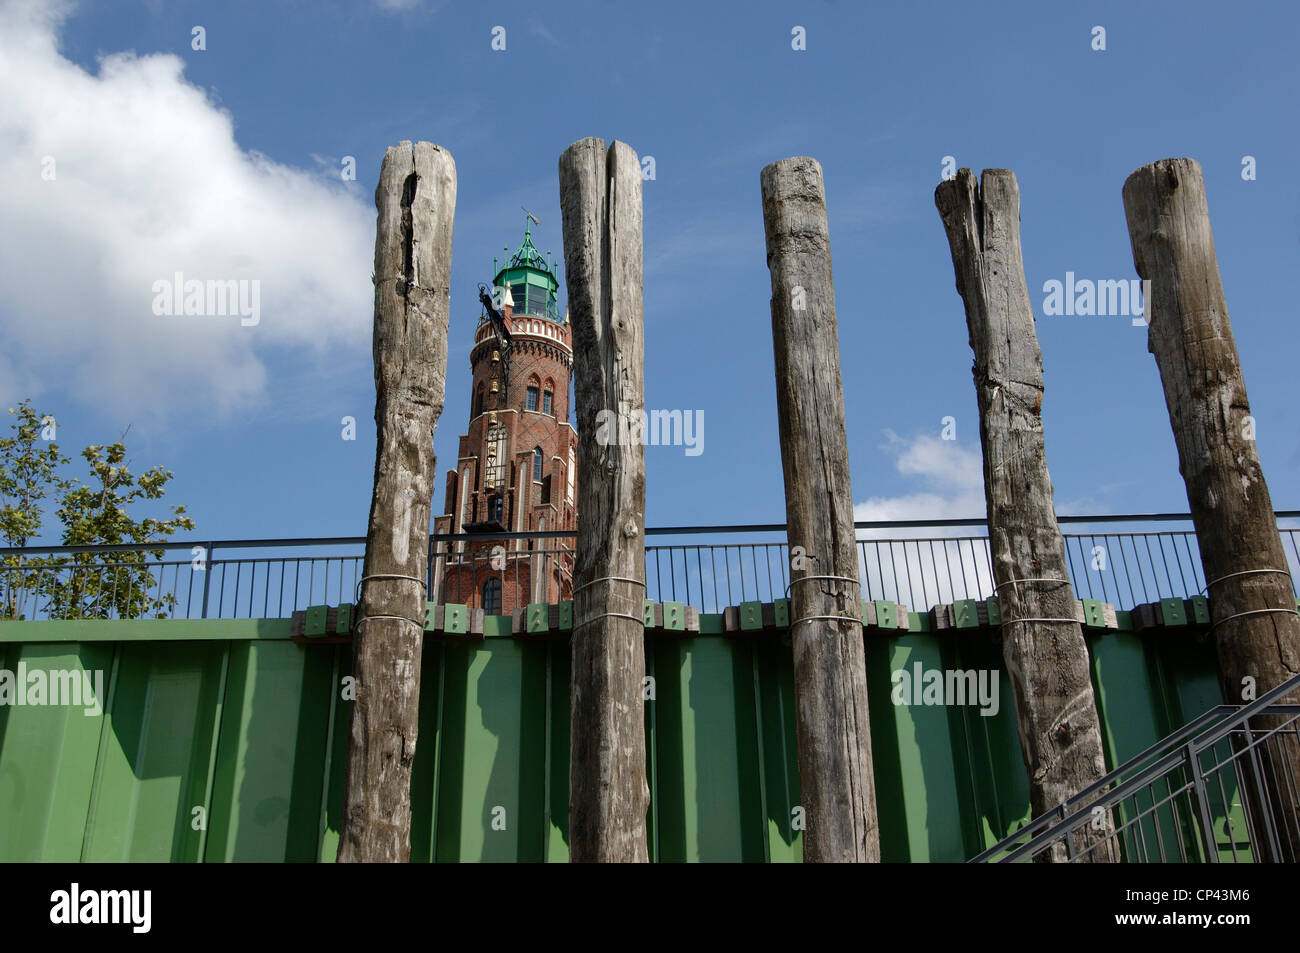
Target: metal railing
x,y
698,565
1221,789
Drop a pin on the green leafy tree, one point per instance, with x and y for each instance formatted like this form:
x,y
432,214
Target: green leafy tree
x,y
29,465
121,584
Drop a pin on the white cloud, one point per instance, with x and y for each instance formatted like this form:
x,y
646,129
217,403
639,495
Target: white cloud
x,y
951,478
149,181
919,567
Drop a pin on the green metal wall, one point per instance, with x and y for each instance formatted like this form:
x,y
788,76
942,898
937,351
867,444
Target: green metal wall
x,y
233,718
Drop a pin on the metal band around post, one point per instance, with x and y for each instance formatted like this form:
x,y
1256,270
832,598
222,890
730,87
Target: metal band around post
x,y
1029,579
636,582
1014,621
1035,579
356,592
399,618
356,597
1244,572
827,618
609,615
856,582
1238,615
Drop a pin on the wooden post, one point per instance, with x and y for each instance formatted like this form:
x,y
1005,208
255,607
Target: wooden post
x,y
1044,648
416,199
1256,629
600,201
832,721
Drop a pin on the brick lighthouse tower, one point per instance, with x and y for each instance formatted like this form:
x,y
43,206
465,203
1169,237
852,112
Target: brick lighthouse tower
x,y
516,465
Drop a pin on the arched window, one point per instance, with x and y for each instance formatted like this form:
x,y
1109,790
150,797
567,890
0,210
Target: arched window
x,y
492,597
548,401
495,509
538,460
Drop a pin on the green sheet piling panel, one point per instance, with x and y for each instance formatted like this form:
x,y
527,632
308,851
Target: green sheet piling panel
x,y
1147,687
234,749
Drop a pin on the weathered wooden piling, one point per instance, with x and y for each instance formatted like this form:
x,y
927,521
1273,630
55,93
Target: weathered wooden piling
x,y
416,202
1042,643
833,723
1252,605
600,200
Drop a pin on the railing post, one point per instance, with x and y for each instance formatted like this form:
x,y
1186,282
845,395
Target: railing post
x,y
1266,815
207,577
428,573
1069,835
1203,806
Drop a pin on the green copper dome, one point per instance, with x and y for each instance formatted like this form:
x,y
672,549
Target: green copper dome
x,y
531,280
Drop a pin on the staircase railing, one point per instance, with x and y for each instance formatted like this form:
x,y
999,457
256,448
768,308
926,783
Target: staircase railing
x,y
1220,789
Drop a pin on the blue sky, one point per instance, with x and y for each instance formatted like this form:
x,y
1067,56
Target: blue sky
x,y
225,163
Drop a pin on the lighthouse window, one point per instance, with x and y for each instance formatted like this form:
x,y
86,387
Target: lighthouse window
x,y
531,400
547,399
520,294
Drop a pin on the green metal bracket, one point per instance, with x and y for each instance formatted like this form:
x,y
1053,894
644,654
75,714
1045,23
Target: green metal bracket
x,y
1094,617
751,616
455,619
674,617
343,621
566,616
885,618
966,613
781,613
1173,611
314,625
1200,610
712,623
430,621
538,617
648,614
994,609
